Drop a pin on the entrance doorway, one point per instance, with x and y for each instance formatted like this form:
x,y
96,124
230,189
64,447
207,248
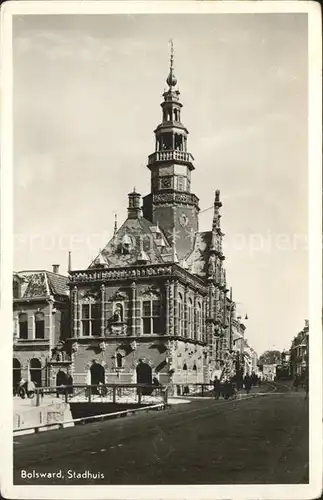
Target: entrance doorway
x,y
16,373
61,378
97,374
35,372
144,376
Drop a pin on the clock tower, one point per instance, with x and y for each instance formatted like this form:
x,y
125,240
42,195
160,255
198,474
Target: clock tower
x,y
170,202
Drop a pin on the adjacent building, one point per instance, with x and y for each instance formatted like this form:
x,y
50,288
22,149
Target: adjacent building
x,y
299,352
40,325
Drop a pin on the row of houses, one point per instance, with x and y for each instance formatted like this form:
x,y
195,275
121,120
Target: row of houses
x,y
293,362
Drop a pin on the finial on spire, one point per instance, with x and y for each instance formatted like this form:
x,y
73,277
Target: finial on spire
x,y
69,261
175,258
115,229
171,79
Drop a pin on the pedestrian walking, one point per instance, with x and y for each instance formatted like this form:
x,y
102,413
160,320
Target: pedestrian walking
x,y
296,383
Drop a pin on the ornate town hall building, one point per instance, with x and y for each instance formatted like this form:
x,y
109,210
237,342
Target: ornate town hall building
x,y
154,303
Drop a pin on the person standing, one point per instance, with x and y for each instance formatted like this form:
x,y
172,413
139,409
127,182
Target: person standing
x,y
247,383
296,383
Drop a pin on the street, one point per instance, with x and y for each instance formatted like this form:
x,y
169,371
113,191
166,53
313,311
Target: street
x,y
258,440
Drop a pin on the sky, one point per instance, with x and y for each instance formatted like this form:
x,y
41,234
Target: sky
x,y
87,93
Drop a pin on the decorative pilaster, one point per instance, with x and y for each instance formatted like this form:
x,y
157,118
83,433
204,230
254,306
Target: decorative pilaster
x,y
137,311
196,325
102,289
79,318
51,330
75,312
204,315
133,307
171,308
185,312
167,300
175,308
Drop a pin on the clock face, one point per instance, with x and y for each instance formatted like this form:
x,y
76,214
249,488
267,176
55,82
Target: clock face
x,y
183,220
166,182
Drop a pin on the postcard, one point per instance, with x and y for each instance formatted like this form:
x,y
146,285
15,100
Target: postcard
x,y
161,274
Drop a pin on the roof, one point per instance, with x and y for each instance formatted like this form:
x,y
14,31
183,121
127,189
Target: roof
x,y
41,284
135,238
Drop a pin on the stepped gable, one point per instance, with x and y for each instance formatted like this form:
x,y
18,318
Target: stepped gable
x,y
198,259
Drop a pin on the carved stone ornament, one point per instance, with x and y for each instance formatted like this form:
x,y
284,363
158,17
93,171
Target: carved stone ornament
x,y
133,345
102,346
118,329
119,296
75,347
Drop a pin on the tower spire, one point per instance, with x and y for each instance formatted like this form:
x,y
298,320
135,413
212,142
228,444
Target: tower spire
x,y
171,79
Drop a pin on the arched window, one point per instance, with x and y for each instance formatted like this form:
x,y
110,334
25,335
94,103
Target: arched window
x,y
194,367
185,366
39,325
16,373
151,316
35,371
180,315
198,313
190,318
23,326
119,360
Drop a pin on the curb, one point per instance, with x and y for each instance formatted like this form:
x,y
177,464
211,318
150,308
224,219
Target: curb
x,y
83,420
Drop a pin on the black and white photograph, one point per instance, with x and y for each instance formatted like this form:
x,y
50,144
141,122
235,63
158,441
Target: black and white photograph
x,y
160,286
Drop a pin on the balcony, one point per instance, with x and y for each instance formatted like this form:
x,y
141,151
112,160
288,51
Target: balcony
x,y
60,357
172,155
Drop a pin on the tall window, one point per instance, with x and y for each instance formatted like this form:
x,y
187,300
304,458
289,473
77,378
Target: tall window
x,y
151,316
39,325
23,326
198,313
190,318
91,320
119,362
180,310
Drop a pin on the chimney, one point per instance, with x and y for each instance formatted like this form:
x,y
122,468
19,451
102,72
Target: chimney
x,y
134,210
56,268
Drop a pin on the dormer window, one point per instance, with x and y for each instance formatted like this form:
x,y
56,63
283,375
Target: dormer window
x,y
126,244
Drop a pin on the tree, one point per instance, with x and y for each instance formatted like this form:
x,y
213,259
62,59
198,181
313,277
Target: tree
x,y
270,358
